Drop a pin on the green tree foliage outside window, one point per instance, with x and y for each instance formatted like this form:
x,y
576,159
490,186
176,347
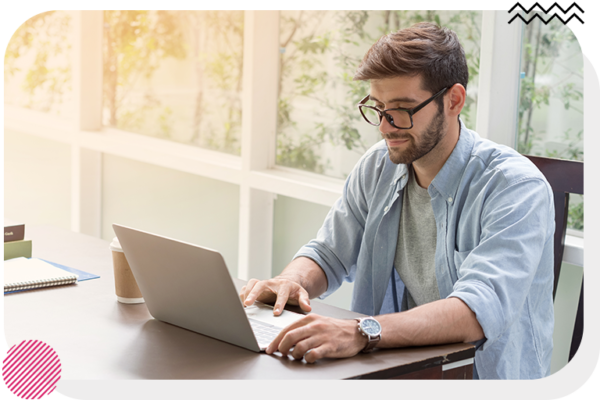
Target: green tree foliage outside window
x,y
209,43
200,50
552,84
135,43
37,67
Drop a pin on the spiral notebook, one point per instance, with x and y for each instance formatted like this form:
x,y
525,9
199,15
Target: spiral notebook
x,y
31,273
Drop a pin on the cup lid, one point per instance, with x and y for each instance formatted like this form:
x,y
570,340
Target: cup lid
x,y
115,245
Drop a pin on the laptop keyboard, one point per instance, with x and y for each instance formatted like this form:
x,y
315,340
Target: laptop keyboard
x,y
265,333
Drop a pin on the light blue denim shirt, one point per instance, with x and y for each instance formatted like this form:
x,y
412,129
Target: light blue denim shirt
x,y
494,213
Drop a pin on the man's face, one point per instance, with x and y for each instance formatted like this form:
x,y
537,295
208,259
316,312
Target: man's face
x,y
429,124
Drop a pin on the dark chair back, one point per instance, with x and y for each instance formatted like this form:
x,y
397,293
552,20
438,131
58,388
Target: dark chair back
x,y
565,177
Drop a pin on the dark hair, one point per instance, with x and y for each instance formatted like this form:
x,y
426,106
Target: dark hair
x,y
424,49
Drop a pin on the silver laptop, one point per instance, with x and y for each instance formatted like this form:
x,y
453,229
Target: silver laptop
x,y
189,286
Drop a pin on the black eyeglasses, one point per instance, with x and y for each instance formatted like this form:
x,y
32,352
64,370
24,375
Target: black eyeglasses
x,y
399,118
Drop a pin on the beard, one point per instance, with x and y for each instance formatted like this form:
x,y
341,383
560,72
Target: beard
x,y
430,137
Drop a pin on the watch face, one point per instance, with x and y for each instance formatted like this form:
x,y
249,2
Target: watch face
x,y
371,327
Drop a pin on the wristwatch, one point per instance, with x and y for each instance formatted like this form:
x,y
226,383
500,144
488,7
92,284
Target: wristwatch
x,y
370,328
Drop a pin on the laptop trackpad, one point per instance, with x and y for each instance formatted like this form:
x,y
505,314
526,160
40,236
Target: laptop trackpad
x,y
264,313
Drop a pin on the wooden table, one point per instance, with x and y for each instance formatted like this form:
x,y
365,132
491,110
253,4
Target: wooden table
x,y
97,337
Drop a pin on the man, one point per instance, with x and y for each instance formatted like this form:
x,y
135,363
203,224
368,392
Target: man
x,y
447,236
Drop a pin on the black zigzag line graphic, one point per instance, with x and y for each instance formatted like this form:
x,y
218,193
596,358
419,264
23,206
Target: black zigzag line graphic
x,y
569,9
553,6
544,21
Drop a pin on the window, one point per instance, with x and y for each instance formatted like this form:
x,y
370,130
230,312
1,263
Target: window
x,y
37,65
551,99
319,127
175,75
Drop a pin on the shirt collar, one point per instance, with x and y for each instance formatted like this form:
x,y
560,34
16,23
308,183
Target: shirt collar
x,y
447,180
401,174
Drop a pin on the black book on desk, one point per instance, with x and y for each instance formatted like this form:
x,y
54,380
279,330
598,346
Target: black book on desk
x,y
13,232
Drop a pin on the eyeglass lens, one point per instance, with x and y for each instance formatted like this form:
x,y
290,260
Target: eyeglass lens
x,y
399,118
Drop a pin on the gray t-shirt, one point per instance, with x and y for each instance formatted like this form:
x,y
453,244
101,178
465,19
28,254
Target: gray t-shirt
x,y
415,251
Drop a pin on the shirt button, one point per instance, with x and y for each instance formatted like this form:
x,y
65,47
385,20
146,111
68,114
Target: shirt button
x,y
385,209
449,199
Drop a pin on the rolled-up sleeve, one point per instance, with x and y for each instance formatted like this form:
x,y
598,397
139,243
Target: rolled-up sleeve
x,y
506,266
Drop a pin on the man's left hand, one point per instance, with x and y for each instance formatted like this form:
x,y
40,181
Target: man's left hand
x,y
314,337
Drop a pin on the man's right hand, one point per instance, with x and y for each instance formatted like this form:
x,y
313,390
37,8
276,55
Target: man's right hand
x,y
276,290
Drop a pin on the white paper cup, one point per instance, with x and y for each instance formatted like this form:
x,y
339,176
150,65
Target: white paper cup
x,y
126,287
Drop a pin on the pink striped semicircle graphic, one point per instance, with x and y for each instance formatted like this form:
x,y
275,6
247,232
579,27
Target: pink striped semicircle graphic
x,y
31,369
